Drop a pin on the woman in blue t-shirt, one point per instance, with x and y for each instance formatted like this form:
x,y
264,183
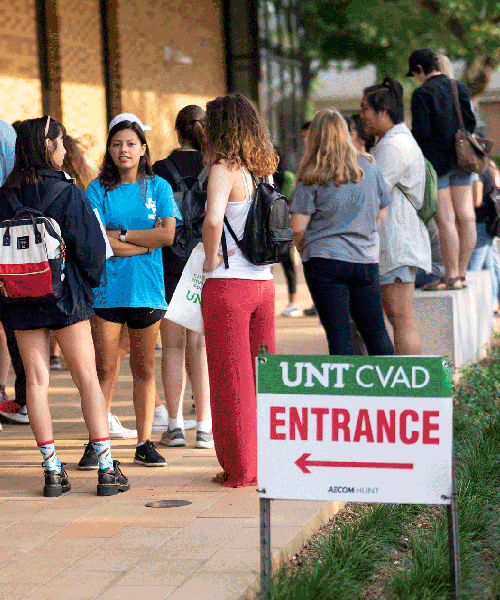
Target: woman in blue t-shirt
x,y
139,214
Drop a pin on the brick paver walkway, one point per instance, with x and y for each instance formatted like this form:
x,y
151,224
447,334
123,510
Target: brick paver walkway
x,y
83,547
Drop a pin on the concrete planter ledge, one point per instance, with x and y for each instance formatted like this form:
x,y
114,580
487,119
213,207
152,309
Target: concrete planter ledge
x,y
457,324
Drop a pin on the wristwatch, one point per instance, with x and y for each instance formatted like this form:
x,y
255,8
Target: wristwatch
x,y
123,235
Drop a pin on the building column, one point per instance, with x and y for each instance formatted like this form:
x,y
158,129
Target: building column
x,y
49,57
242,47
111,57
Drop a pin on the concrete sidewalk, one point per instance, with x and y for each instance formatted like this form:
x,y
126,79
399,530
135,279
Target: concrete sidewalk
x,y
83,547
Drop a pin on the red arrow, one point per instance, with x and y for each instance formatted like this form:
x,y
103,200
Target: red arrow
x,y
304,464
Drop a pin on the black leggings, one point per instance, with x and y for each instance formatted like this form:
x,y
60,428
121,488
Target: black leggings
x,y
339,288
290,274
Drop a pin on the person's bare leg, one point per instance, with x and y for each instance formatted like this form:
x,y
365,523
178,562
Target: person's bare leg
x,y
76,345
4,359
142,365
463,205
54,347
34,347
123,350
158,401
106,336
397,299
197,353
173,370
448,233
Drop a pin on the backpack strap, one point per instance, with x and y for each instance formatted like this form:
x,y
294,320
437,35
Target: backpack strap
x,y
13,199
400,188
55,191
202,177
255,180
224,243
176,174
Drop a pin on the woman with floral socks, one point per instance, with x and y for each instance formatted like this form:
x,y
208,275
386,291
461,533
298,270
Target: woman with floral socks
x,y
39,157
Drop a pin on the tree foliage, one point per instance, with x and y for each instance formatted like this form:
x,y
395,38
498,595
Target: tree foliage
x,y
384,33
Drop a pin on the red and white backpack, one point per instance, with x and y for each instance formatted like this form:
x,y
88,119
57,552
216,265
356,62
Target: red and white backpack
x,y
32,251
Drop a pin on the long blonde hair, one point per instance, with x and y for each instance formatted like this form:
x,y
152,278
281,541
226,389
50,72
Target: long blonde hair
x,y
330,153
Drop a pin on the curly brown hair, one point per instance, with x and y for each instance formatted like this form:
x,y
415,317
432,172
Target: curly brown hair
x,y
235,133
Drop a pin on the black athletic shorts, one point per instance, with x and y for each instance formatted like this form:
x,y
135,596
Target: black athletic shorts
x,y
135,318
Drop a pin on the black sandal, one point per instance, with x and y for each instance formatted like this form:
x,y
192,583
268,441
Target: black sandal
x,y
454,283
445,284
435,286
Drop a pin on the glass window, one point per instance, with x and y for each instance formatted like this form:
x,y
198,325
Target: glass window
x,y
280,74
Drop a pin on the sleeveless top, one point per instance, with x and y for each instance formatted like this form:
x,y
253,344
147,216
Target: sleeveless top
x,y
239,266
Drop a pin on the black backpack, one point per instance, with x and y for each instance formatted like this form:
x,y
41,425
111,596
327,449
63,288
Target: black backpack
x,y
267,237
191,199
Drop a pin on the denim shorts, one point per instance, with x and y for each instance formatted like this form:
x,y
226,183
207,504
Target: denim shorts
x,y
455,178
404,274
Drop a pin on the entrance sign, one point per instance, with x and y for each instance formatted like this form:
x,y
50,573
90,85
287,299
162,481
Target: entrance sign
x,y
356,429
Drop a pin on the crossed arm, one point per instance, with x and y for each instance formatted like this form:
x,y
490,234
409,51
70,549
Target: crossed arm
x,y
141,241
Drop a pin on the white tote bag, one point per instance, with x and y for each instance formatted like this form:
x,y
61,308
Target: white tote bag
x,y
185,306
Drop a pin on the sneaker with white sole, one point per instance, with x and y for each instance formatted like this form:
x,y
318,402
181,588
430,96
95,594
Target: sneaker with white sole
x,y
160,420
12,412
117,431
146,454
173,438
204,440
292,310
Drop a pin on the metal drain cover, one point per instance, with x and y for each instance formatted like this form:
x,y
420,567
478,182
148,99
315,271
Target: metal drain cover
x,y
167,503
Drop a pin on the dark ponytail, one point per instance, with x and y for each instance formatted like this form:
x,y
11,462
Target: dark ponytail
x,y
387,96
190,124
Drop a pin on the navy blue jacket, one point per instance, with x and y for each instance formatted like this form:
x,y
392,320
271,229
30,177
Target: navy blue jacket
x,y
85,256
435,121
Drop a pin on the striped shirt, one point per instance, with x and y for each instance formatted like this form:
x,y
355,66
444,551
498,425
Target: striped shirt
x,y
404,240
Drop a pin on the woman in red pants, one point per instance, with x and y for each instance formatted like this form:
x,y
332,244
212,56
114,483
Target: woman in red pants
x,y
238,302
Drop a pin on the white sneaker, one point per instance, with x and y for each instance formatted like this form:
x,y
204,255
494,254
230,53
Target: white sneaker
x,y
160,420
118,431
292,310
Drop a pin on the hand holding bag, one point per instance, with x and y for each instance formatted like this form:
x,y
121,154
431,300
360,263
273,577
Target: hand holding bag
x,y
185,306
471,155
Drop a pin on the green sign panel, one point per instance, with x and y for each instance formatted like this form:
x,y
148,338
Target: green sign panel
x,y
415,376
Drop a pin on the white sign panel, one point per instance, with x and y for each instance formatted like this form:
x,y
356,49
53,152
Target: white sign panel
x,y
367,429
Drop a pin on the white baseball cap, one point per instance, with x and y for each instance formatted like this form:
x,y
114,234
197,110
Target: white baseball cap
x,y
128,117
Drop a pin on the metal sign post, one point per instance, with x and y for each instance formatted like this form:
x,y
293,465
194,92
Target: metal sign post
x,y
453,539
265,545
355,429
265,520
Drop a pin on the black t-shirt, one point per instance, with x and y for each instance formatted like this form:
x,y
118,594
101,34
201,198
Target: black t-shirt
x,y
190,164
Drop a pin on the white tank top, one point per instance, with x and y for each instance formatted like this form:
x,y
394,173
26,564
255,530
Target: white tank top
x,y
239,266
